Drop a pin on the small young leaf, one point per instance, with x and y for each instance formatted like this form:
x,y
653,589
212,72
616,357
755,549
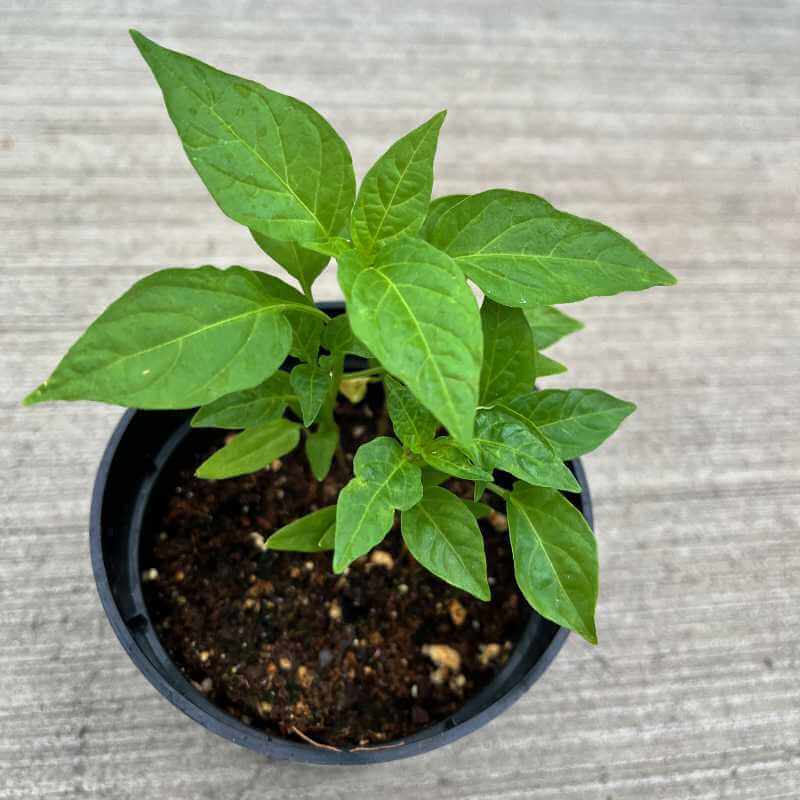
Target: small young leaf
x,y
311,385
575,422
438,207
307,327
415,312
305,535
302,264
320,447
354,389
479,489
177,339
509,357
248,407
443,454
334,246
478,510
433,477
395,193
506,442
338,338
547,366
521,251
442,534
413,424
271,162
548,325
384,481
252,450
555,557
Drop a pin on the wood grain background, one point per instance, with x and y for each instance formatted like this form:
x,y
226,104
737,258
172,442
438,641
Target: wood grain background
x,y
675,121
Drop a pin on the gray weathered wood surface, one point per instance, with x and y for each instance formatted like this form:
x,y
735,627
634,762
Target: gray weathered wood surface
x,y
674,121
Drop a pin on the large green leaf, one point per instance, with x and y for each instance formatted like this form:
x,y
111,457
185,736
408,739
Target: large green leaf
x,y
320,448
442,534
252,449
414,311
506,442
574,421
509,357
384,480
521,251
311,385
555,557
443,454
548,325
176,339
413,424
395,193
248,407
302,264
305,535
438,207
271,162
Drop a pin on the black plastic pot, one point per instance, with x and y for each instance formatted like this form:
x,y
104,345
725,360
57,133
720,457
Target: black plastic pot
x,y
135,458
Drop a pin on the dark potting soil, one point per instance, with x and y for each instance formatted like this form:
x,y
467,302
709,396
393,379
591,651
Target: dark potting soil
x,y
282,643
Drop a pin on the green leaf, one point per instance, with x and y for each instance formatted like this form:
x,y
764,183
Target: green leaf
x,y
506,442
478,510
443,454
437,208
320,447
396,192
555,557
509,357
305,535
252,450
177,339
334,246
248,407
432,477
338,338
271,162
413,424
349,266
479,489
307,328
311,384
546,366
521,251
302,264
576,421
415,312
548,325
442,534
384,481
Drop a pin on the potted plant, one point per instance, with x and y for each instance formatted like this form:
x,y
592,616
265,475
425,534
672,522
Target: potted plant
x,y
399,431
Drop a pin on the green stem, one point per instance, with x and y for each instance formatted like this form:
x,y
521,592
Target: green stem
x,y
307,292
498,490
364,373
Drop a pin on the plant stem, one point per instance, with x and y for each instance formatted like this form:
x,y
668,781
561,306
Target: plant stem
x,y
498,490
363,373
307,292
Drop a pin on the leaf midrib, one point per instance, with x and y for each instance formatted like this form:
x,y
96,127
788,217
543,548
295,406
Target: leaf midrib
x,y
243,141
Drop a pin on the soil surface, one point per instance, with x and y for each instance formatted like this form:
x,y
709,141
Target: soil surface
x,y
279,641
